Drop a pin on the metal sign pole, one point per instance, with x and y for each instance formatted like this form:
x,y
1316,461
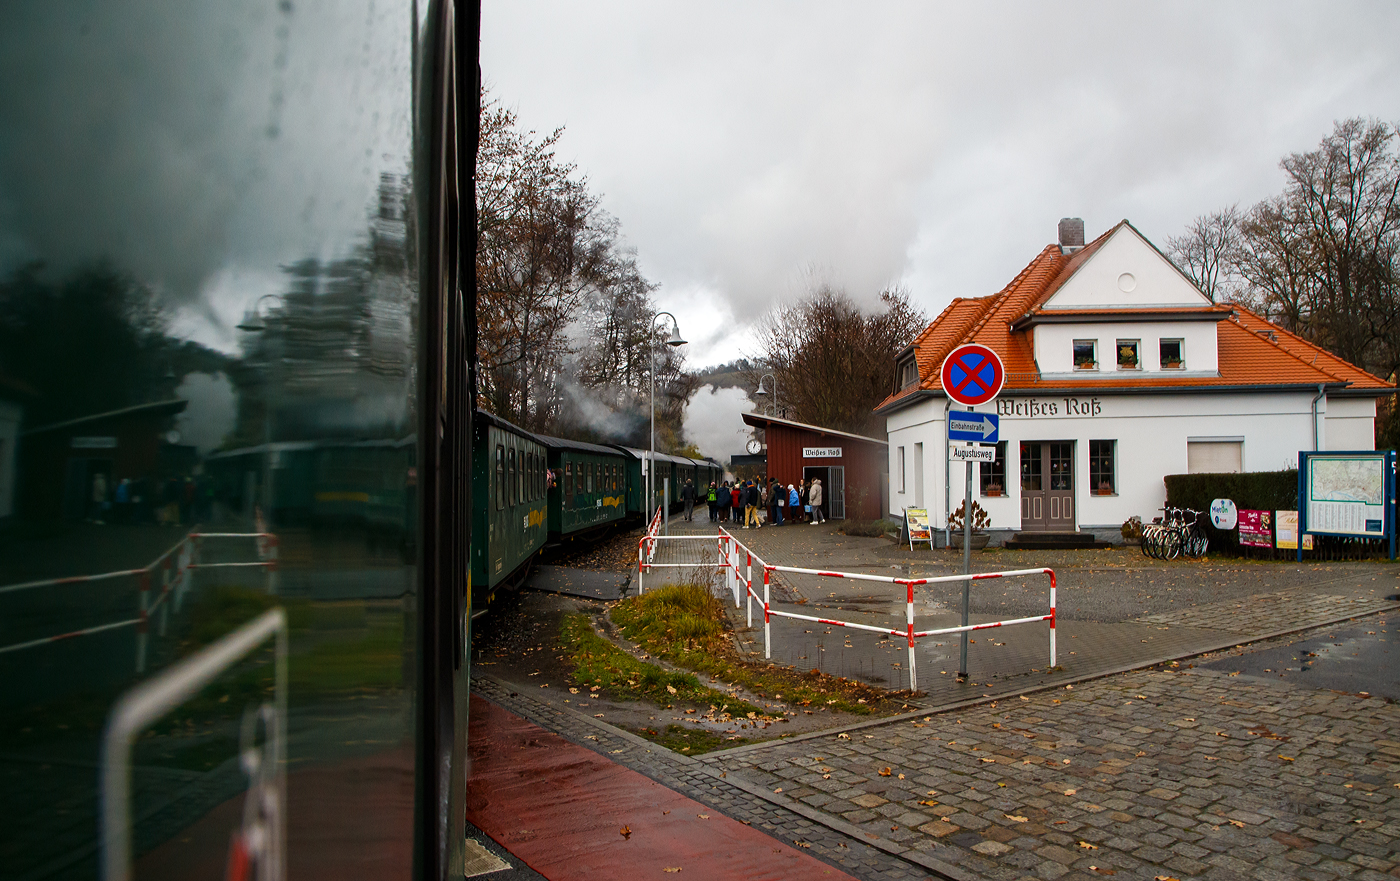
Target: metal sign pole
x,y
967,565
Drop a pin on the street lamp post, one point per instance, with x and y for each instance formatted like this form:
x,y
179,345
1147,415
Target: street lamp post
x,y
762,391
254,322
673,341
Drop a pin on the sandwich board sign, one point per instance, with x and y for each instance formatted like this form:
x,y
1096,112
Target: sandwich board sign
x,y
916,522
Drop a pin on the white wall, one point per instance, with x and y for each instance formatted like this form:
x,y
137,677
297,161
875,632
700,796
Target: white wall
x,y
9,441
1054,346
1151,430
1153,281
1349,424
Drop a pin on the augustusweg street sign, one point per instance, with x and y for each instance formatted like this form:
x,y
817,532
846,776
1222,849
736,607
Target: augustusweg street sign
x,y
972,374
967,426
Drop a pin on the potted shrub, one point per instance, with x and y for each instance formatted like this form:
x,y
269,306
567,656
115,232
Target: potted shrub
x,y
980,522
1132,530
992,489
1103,489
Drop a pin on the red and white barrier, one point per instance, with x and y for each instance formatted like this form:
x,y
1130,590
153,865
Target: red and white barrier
x,y
740,582
175,566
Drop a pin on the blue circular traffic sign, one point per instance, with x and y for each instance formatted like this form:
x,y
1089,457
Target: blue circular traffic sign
x,y
972,374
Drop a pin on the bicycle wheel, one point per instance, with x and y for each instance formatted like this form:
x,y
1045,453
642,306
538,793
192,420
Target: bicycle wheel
x,y
1196,543
1173,545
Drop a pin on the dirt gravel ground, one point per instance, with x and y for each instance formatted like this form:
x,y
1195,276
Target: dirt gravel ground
x,y
517,643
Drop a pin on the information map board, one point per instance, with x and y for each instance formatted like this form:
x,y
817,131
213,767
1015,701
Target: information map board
x,y
1348,494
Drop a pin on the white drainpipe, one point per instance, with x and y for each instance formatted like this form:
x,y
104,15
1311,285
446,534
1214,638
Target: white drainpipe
x,y
1321,393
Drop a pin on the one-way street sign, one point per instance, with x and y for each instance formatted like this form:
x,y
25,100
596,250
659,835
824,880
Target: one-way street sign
x,y
966,426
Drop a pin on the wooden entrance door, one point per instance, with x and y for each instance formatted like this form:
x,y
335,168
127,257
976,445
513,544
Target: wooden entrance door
x,y
1047,486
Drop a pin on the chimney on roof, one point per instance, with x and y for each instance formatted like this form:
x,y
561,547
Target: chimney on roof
x,y
1071,234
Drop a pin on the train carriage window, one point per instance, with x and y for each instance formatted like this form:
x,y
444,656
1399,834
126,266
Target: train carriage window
x,y
510,477
578,487
520,486
590,477
569,482
500,477
530,476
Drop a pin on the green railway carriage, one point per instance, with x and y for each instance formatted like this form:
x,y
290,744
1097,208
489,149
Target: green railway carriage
x,y
590,486
668,468
509,515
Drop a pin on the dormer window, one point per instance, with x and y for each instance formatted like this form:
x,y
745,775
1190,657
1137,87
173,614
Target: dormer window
x,y
908,373
1128,355
1086,355
1173,354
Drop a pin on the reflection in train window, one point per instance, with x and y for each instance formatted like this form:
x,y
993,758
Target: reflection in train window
x,y
520,493
510,478
569,482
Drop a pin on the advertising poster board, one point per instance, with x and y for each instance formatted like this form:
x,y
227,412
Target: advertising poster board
x,y
1256,528
916,522
1286,528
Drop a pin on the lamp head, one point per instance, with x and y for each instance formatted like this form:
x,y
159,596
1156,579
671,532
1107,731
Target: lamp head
x,y
675,338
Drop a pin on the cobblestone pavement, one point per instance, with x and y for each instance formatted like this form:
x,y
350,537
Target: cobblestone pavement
x,y
1163,773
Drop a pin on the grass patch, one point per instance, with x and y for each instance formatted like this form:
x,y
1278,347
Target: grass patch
x,y
600,665
685,624
691,741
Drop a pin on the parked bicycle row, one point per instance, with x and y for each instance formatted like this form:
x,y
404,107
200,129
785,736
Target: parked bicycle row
x,y
1178,532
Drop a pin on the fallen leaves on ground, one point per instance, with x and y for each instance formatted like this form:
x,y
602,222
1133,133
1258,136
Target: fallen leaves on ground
x,y
625,832
1015,819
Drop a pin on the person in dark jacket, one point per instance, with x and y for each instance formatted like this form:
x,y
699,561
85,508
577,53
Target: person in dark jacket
x,y
712,499
688,496
724,501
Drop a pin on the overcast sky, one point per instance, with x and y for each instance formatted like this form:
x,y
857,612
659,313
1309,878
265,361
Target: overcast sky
x,y
750,148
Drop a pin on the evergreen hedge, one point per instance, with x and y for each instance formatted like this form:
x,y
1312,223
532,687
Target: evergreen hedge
x,y
1255,490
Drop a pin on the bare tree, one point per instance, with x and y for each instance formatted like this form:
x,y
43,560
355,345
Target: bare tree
x,y
833,362
1323,257
1210,253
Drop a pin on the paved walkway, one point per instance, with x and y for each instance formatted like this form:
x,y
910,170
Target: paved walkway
x,y
1097,768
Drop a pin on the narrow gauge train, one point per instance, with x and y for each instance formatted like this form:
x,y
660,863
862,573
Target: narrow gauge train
x,y
529,491
535,491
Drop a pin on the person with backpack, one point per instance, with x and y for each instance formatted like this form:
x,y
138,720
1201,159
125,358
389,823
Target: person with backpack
x,y
712,499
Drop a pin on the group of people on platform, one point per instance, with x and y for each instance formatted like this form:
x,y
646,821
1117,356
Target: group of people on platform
x,y
742,501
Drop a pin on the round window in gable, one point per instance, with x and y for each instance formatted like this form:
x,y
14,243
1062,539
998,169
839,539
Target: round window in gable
x,y
1126,282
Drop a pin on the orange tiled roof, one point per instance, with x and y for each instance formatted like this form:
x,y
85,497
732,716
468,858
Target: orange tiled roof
x,y
1252,352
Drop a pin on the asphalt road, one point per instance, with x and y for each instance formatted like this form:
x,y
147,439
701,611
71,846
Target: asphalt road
x,y
1360,658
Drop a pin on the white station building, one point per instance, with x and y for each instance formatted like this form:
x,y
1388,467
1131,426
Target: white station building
x,y
1119,371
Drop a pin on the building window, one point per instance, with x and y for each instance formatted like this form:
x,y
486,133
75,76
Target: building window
x,y
1173,354
1128,355
908,373
901,470
1085,357
1101,477
500,477
993,474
